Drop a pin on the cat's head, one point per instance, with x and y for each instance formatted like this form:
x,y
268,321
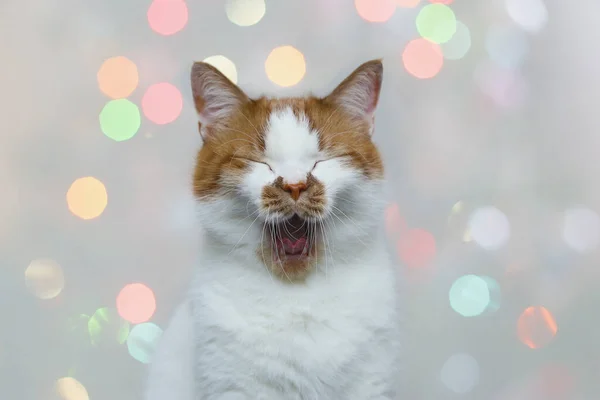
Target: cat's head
x,y
293,182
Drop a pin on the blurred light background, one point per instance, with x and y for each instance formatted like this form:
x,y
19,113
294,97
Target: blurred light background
x,y
487,122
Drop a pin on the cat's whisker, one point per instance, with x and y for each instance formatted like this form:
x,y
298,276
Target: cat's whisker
x,y
330,246
316,244
242,132
249,215
262,249
326,124
330,229
326,247
235,140
285,228
351,220
365,199
360,153
278,236
346,216
247,230
332,136
250,122
234,155
357,211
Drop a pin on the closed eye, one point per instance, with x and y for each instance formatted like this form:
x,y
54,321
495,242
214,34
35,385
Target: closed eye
x,y
254,161
329,159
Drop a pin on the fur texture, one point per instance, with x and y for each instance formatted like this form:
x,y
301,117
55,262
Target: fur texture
x,y
295,297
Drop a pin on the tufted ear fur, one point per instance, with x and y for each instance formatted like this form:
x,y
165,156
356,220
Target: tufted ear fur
x,y
358,94
216,98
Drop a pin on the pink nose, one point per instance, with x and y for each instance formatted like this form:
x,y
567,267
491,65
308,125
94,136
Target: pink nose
x,y
295,189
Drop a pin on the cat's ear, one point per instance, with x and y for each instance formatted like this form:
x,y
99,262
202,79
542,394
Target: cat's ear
x,y
358,94
215,97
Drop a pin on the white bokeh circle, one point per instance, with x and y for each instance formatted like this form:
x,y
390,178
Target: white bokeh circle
x,y
489,227
581,229
460,373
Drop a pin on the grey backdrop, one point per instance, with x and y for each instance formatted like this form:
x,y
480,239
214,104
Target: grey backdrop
x,y
513,125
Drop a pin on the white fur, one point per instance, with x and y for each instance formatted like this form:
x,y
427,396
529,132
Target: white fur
x,y
255,337
291,149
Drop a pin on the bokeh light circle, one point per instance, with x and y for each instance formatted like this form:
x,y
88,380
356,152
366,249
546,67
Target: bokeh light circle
x,y
531,15
489,227
69,388
581,229
285,66
136,303
457,47
375,10
436,23
507,46
44,278
162,103
87,198
106,327
167,17
460,373
422,58
224,65
407,3
416,248
118,77
469,295
536,327
142,341
245,12
120,119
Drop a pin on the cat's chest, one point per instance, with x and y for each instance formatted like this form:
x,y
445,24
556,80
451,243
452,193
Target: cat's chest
x,y
255,313
322,324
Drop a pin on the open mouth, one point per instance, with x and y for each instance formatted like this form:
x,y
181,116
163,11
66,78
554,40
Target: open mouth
x,y
292,239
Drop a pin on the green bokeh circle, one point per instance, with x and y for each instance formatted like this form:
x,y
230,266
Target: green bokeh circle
x,y
469,295
436,23
142,341
120,119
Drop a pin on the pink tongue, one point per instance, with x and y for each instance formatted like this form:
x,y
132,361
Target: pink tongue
x,y
293,247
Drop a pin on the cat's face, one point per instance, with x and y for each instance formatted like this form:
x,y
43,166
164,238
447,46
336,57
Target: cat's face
x,y
296,182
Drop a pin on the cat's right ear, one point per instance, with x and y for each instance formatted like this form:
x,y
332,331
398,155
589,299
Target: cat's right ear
x,y
215,97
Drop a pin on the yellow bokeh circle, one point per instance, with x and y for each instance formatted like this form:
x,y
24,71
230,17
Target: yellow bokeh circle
x,y
245,12
225,65
285,66
87,198
71,389
44,278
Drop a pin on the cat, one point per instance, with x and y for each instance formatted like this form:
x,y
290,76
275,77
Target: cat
x,y
295,296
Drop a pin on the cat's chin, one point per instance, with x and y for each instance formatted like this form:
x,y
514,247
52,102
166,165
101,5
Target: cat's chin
x,y
290,249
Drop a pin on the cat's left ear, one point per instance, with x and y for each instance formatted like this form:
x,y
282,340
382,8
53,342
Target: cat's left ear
x,y
216,98
358,94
